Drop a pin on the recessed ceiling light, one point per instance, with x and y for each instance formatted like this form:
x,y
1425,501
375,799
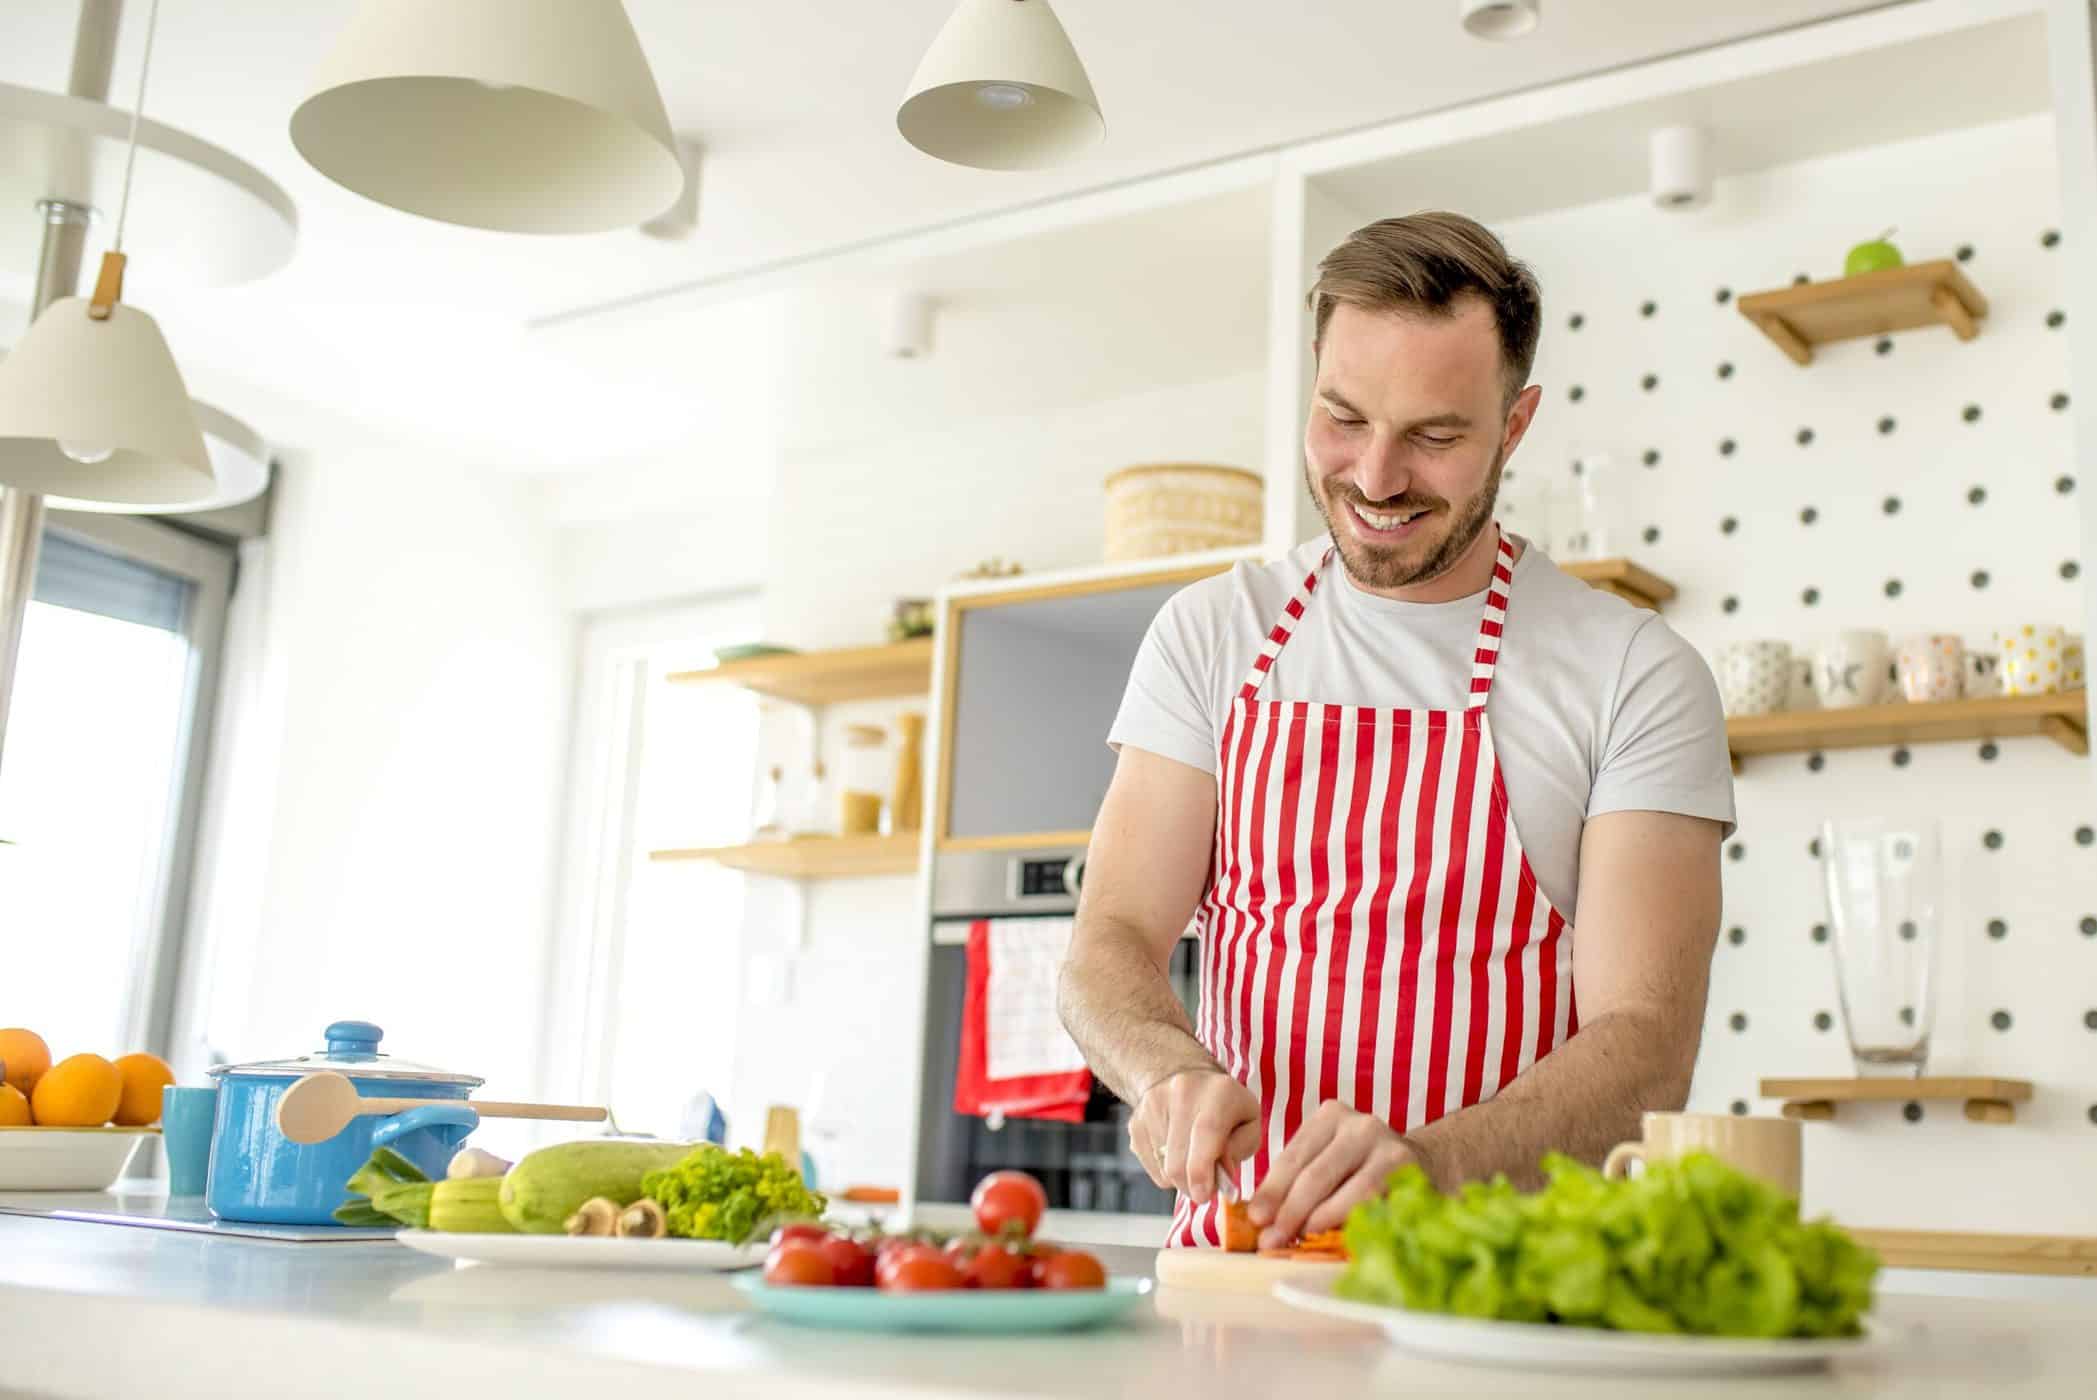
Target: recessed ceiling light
x,y
1499,19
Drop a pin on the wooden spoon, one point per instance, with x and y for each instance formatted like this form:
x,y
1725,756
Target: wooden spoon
x,y
317,1106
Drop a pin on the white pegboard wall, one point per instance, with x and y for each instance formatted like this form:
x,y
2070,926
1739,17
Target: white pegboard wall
x,y
1913,484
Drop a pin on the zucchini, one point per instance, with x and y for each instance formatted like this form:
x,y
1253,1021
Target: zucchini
x,y
468,1205
539,1194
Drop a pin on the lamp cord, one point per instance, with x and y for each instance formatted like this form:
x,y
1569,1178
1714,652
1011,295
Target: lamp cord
x,y
145,66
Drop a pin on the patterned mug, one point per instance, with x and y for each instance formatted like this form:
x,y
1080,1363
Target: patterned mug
x,y
1983,668
1852,668
2071,663
2032,663
1754,676
1932,668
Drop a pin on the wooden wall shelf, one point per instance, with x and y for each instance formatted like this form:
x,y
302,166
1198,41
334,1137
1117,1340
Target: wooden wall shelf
x,y
1813,1100
1869,304
2062,718
2073,1256
813,858
828,677
1625,579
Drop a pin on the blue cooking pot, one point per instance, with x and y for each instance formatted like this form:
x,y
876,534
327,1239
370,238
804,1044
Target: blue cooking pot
x,y
259,1175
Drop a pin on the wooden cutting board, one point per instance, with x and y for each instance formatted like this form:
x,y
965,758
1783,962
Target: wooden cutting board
x,y
1215,1271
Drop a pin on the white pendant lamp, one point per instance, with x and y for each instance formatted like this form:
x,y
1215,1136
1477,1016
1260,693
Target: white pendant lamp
x,y
1001,88
91,404
523,116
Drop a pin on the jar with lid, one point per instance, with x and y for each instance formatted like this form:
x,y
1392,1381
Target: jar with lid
x,y
862,775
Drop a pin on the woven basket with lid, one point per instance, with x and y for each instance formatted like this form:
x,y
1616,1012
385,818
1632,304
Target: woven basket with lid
x,y
1181,507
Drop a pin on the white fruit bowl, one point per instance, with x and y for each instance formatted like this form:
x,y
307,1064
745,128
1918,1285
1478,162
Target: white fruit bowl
x,y
66,1159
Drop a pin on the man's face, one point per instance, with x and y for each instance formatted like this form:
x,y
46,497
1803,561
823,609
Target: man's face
x,y
1409,428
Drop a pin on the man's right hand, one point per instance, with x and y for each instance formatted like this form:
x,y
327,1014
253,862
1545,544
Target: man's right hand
x,y
1188,1124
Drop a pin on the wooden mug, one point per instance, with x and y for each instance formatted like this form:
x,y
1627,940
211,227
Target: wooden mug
x,y
1762,1147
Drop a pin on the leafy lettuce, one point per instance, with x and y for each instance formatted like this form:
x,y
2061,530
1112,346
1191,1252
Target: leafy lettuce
x,y
1693,1245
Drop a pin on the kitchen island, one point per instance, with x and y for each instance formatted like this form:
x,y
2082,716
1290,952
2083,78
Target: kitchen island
x,y
99,1310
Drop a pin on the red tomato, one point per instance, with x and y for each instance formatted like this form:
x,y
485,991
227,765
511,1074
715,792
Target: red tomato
x,y
800,1263
852,1261
799,1230
888,1252
921,1270
1037,1262
1072,1269
1005,1197
994,1266
958,1252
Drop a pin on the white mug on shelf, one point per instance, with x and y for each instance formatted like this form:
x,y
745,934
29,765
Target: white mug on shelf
x,y
1851,668
1983,668
1932,668
1753,677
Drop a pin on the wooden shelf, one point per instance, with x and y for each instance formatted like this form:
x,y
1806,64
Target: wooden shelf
x,y
1813,1100
828,677
2074,1256
1869,304
2062,718
814,858
1623,578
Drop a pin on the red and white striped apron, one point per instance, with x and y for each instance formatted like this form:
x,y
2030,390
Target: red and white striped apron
x,y
1372,931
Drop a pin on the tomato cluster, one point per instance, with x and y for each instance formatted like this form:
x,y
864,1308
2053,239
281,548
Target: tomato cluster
x,y
1003,1252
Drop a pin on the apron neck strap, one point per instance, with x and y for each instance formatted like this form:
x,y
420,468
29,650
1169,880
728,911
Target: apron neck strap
x,y
1485,653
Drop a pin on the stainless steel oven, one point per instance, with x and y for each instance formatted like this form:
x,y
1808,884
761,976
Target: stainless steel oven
x,y
1082,1166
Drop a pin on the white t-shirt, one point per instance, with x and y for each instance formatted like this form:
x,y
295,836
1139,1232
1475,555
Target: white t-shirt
x,y
1597,706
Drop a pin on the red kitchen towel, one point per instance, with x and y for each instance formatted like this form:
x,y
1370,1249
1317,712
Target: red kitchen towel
x,y
1059,1094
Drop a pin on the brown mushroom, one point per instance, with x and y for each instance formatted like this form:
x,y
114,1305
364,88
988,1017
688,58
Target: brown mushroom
x,y
643,1220
596,1216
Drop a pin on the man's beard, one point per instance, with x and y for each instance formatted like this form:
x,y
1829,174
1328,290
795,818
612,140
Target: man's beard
x,y
1387,568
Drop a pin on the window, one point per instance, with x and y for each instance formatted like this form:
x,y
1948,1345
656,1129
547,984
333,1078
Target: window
x,y
647,969
104,741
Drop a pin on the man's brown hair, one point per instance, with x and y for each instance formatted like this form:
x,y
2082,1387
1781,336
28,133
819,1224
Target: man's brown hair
x,y
1425,264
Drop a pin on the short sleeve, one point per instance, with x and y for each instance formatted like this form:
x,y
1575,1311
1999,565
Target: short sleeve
x,y
1168,708
1665,750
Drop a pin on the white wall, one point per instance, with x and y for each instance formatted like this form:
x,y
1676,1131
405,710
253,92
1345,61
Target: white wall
x,y
392,762
1994,189
850,534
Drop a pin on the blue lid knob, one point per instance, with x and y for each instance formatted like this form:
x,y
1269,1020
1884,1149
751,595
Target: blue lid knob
x,y
347,1039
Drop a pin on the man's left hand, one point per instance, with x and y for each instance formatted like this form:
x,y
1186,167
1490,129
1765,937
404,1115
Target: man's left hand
x,y
1337,1158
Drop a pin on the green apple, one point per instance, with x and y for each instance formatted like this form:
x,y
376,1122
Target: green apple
x,y
1874,256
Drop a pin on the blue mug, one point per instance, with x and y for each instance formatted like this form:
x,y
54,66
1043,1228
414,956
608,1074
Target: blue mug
x,y
185,1136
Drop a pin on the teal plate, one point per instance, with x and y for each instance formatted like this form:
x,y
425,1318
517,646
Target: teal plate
x,y
1015,1310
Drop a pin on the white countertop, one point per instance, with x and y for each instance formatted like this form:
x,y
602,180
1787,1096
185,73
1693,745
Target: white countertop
x,y
95,1310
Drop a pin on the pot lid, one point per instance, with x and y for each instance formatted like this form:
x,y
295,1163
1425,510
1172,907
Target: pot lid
x,y
352,1049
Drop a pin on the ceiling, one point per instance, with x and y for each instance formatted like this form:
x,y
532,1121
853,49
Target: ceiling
x,y
420,330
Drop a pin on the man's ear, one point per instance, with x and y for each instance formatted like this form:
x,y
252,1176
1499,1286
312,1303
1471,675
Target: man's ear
x,y
1520,415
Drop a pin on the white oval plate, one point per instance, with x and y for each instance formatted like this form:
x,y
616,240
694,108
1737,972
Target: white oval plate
x,y
1535,1346
588,1252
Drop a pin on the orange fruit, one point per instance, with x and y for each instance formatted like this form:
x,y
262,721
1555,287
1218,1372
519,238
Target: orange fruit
x,y
80,1091
26,1057
144,1077
14,1108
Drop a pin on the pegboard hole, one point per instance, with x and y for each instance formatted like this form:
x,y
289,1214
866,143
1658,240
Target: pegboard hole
x,y
2000,1020
1998,929
1992,840
1911,1111
1978,578
1804,437
1891,505
1725,369
1822,1021
1887,424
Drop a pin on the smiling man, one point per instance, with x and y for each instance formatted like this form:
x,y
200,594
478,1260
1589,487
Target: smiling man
x,y
1380,777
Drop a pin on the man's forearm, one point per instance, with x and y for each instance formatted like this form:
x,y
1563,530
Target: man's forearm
x,y
1119,1006
1581,1099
